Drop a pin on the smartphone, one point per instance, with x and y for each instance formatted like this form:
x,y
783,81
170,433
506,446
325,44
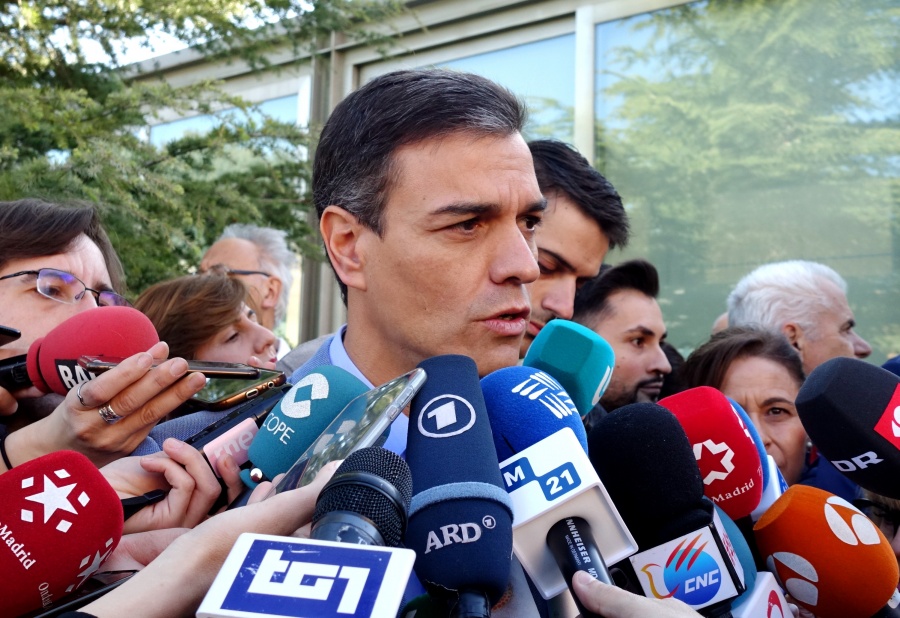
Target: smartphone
x,y
360,424
211,369
8,334
221,393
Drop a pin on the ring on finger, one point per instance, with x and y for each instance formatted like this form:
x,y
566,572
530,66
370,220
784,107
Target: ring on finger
x,y
108,414
80,398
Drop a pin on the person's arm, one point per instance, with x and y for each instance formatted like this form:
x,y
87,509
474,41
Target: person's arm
x,y
141,395
612,602
175,583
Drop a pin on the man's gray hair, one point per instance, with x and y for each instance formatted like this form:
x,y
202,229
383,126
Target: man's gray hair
x,y
275,257
775,294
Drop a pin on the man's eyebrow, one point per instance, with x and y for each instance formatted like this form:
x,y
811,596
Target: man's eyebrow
x,y
465,209
647,332
772,400
558,258
539,206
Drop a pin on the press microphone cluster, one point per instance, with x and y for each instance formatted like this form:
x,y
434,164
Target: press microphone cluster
x,y
51,364
350,566
460,523
564,520
59,520
647,464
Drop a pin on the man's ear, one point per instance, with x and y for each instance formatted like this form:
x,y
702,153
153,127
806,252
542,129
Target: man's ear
x,y
341,231
794,334
273,292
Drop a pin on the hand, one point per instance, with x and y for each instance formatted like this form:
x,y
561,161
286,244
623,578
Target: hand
x,y
186,569
8,403
136,551
612,602
182,471
141,395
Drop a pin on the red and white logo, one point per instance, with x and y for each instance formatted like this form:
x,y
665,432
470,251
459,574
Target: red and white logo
x,y
55,495
797,576
848,524
888,426
716,468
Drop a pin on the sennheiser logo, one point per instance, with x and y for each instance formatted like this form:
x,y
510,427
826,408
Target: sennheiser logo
x,y
446,416
298,402
548,392
719,467
888,426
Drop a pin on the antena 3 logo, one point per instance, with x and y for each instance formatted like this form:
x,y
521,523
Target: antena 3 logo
x,y
689,574
548,392
446,416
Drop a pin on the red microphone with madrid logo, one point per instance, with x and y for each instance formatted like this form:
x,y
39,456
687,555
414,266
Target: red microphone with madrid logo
x,y
726,454
51,364
830,557
59,520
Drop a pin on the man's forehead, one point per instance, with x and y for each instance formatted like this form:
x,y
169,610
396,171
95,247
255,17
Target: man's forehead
x,y
232,252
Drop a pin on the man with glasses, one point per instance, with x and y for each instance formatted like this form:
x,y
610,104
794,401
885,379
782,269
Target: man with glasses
x,y
262,260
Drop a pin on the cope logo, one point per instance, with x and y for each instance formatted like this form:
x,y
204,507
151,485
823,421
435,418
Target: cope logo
x,y
298,402
888,426
446,416
307,580
548,392
554,484
689,574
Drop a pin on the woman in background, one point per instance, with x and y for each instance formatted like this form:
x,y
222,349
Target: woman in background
x,y
205,317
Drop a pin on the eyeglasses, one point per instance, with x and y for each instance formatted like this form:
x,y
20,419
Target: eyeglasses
x,y
65,287
221,269
883,516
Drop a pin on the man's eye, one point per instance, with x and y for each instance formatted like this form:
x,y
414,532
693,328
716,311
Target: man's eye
x,y
532,222
637,342
468,225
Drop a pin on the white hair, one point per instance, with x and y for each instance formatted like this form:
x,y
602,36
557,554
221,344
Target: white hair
x,y
775,294
275,257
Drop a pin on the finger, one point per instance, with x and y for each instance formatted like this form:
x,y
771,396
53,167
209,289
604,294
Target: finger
x,y
604,599
205,487
8,403
171,511
260,492
101,389
159,351
133,396
231,474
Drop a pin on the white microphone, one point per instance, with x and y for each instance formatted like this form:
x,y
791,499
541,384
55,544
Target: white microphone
x,y
765,599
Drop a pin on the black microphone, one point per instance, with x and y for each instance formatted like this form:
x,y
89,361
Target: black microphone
x,y
460,523
851,411
646,462
366,502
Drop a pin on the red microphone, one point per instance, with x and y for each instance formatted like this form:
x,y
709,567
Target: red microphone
x,y
726,454
59,520
829,556
51,364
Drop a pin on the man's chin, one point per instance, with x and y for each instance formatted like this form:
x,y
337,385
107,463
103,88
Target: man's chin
x,y
647,396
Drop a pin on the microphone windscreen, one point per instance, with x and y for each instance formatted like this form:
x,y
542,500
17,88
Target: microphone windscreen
x,y
742,551
754,435
851,411
59,519
726,454
460,522
581,360
646,463
829,556
372,482
525,405
104,331
301,416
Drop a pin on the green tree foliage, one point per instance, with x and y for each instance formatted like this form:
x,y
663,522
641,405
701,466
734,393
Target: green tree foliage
x,y
71,128
748,131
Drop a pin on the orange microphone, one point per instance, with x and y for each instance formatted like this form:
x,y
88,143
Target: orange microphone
x,y
829,556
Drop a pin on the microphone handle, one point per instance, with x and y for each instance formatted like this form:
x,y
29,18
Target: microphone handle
x,y
471,604
14,373
572,544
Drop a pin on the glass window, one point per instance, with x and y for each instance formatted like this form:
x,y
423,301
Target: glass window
x,y
745,133
283,108
542,73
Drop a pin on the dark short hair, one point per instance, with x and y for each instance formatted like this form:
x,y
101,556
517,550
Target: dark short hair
x,y
561,169
189,311
592,299
708,364
353,161
32,228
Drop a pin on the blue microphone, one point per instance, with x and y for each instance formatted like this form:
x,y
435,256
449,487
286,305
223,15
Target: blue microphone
x,y
460,522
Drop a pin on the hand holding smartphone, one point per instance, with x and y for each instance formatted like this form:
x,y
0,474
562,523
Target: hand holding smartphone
x,y
211,369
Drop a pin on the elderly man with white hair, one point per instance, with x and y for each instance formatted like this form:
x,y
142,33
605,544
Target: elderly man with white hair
x,y
805,301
